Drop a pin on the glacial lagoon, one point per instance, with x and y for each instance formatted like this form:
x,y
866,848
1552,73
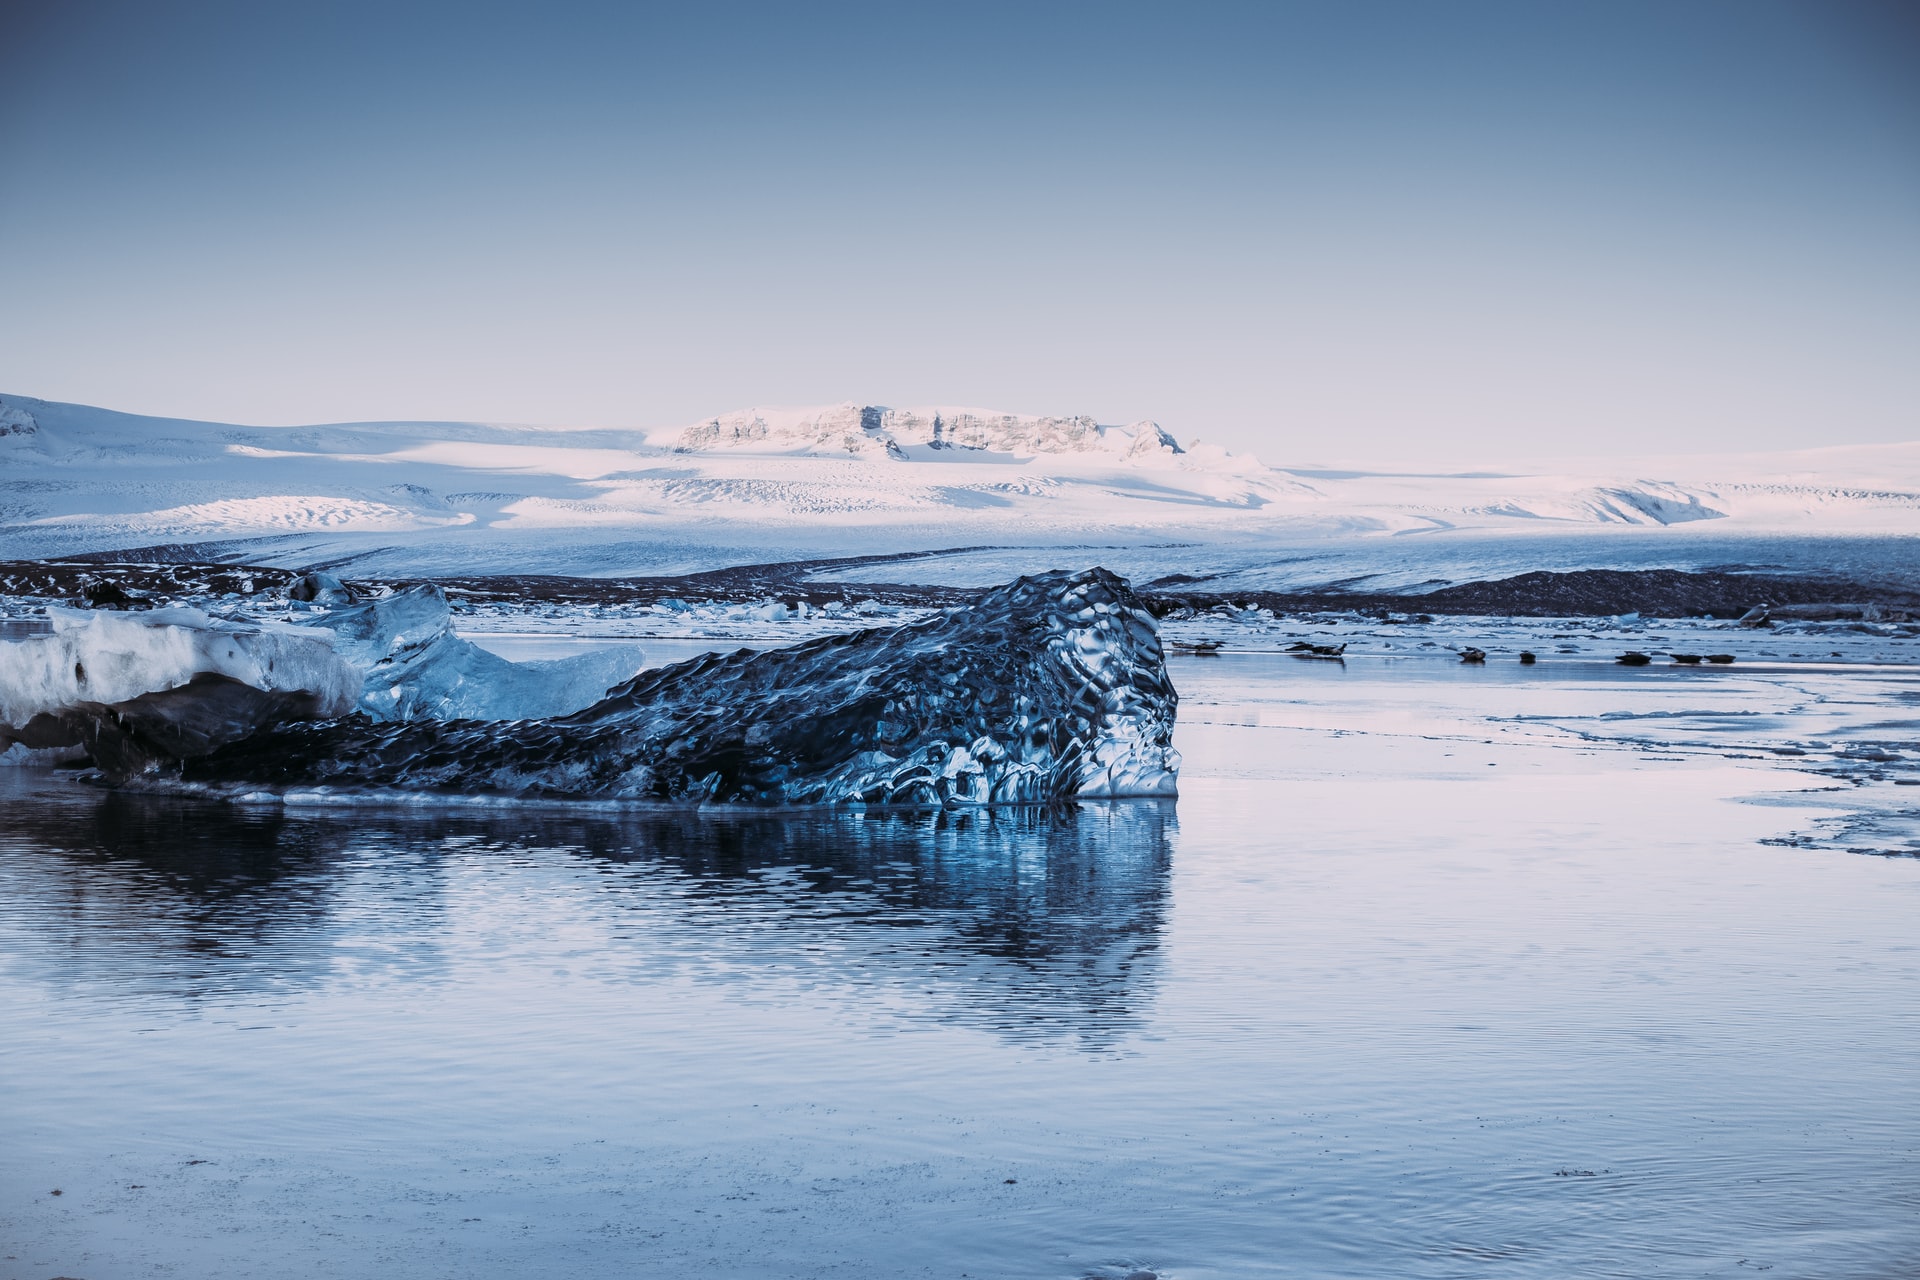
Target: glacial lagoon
x,y
1431,971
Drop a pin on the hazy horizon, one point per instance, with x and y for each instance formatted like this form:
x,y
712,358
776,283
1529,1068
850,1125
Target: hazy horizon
x,y
1293,230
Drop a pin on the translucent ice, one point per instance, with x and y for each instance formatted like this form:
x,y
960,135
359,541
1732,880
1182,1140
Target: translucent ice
x,y
1051,687
110,657
78,686
416,668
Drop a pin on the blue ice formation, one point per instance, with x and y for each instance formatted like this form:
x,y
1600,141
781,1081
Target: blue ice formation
x,y
140,692
415,668
1045,689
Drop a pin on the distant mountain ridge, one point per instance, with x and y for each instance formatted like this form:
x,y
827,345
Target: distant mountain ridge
x,y
862,430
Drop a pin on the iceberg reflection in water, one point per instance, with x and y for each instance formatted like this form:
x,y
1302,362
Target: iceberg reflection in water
x,y
1030,921
1420,983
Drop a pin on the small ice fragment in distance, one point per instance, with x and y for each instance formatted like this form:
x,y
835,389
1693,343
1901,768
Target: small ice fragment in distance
x,y
321,589
100,594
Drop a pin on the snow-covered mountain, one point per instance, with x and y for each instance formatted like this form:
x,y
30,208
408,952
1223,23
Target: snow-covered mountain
x,y
857,430
840,480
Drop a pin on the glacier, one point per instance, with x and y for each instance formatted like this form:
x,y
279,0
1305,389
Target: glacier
x,y
1049,688
862,430
426,499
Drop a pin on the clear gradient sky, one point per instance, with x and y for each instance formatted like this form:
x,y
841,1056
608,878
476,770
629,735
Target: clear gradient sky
x,y
1355,230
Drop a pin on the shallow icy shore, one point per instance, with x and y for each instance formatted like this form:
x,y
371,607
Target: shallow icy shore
x,y
1514,960
782,620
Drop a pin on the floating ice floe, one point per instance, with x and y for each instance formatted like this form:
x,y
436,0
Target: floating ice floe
x,y
1051,687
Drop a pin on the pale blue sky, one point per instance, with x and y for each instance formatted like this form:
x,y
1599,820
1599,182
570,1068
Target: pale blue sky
x,y
1365,230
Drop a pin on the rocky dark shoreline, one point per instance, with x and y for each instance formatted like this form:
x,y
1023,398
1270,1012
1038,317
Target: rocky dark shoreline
x,y
1542,593
1661,593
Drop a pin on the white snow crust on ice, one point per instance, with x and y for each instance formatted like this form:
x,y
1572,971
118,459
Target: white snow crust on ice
x,y
394,658
111,657
415,668
839,480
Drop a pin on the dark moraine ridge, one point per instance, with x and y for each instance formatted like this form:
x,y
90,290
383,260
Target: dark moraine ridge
x,y
1666,593
158,573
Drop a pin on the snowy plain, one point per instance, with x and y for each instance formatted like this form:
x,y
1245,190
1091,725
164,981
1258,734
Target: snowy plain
x,y
763,485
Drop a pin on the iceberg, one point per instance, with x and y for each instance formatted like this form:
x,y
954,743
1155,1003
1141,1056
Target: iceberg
x,y
57,689
317,588
1049,688
111,656
415,668
186,683
193,719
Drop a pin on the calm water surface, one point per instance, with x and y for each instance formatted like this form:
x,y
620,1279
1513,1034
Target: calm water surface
x,y
1420,977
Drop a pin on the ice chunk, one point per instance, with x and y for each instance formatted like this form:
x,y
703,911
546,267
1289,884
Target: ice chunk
x,y
108,595
321,589
110,657
207,712
53,686
394,659
416,668
1048,688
